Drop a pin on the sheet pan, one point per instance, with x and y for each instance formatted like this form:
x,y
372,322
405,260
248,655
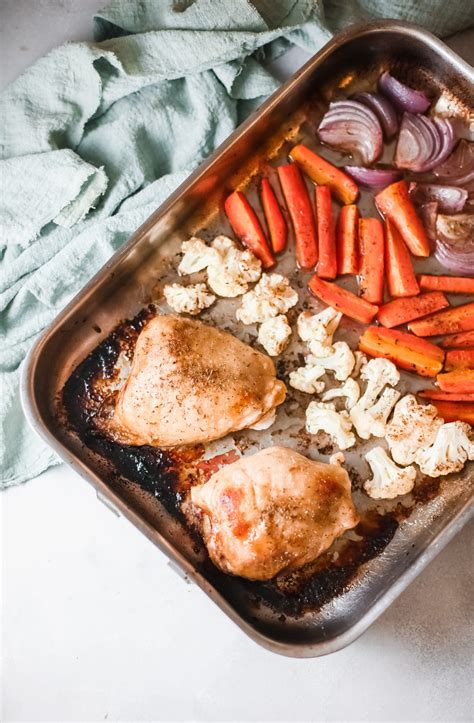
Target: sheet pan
x,y
343,605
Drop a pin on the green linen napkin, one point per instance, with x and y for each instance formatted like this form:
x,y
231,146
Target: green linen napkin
x,y
95,135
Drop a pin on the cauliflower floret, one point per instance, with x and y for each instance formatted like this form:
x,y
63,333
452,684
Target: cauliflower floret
x,y
373,421
369,416
272,296
318,330
341,361
360,362
388,479
381,410
337,458
197,256
450,451
350,389
188,299
323,417
377,373
304,379
412,426
231,270
274,335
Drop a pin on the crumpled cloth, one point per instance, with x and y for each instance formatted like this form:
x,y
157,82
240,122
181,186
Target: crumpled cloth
x,y
94,136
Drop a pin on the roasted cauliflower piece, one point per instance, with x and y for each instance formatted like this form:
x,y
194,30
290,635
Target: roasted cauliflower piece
x,y
272,296
449,452
388,480
322,417
188,299
412,427
318,330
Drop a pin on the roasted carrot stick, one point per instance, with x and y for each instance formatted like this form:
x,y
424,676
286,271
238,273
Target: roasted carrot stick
x,y
464,340
273,216
394,202
455,411
460,380
371,248
301,214
325,174
449,284
401,279
347,240
459,359
446,396
342,300
399,311
247,228
458,318
403,349
327,264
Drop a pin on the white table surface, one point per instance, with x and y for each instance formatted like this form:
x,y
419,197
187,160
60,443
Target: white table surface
x,y
97,626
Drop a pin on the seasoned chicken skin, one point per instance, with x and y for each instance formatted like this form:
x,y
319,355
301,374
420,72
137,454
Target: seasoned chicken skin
x,y
192,383
273,511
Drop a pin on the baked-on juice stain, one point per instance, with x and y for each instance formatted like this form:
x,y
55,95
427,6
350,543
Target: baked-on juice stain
x,y
157,472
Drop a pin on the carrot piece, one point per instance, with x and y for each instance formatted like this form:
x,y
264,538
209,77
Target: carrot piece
x,y
343,300
403,349
327,264
420,346
247,228
455,411
394,202
401,279
458,341
348,240
301,213
458,318
325,174
446,396
459,380
459,359
399,311
449,284
371,245
273,216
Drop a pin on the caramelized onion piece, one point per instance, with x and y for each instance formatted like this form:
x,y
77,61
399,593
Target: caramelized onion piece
x,y
373,177
458,169
423,143
428,213
450,199
352,127
403,97
455,243
383,109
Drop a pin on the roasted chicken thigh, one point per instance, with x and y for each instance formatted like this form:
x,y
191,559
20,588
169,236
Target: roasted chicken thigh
x,y
272,511
192,383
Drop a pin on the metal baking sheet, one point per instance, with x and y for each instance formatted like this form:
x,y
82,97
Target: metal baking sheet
x,y
327,606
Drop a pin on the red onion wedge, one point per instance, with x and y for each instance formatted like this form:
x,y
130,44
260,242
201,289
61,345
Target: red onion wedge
x,y
403,97
423,143
458,169
428,213
373,177
450,199
383,109
352,127
455,243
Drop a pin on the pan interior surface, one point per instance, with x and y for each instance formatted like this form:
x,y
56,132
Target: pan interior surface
x,y
79,361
